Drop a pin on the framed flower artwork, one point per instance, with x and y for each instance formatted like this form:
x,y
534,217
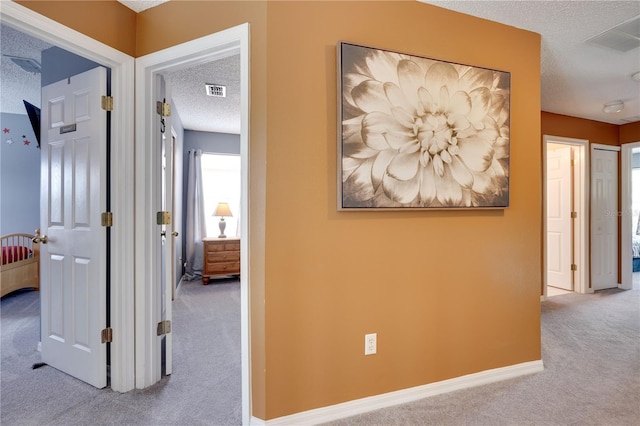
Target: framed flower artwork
x,y
420,133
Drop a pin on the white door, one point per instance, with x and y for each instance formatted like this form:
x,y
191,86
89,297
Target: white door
x,y
604,219
559,222
73,196
167,239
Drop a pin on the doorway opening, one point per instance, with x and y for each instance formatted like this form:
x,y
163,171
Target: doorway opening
x,y
566,215
149,68
121,269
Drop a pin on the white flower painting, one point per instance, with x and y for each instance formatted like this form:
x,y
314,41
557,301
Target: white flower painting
x,y
421,133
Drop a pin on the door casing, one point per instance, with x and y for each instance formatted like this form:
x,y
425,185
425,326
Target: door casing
x,y
581,204
627,216
122,154
225,43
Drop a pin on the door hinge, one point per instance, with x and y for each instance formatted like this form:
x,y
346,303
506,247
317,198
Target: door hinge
x,y
106,335
574,215
107,103
107,219
164,327
163,109
163,218
574,267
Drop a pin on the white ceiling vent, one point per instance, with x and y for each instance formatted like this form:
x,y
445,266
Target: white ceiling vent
x,y
623,38
216,90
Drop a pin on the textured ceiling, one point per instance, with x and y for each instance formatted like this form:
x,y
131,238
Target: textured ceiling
x,y
140,5
16,84
578,78
197,110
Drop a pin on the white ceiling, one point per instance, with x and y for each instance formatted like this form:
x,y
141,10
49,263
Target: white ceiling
x,y
140,5
577,77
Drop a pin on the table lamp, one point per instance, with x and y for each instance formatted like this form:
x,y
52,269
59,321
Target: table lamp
x,y
222,210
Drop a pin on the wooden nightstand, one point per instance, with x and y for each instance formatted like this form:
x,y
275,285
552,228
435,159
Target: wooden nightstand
x,y
221,257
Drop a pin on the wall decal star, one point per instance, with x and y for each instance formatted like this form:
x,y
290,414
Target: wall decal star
x,y
5,130
26,142
9,141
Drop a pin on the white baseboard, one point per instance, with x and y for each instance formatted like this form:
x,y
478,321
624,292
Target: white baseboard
x,y
364,405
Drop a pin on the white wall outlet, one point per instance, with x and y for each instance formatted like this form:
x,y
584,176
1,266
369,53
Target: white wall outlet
x,y
370,343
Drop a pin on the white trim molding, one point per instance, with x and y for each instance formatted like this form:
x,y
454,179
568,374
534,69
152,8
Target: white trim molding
x,y
627,215
364,405
122,196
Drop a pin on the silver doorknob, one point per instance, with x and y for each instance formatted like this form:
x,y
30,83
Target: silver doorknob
x,y
175,233
43,240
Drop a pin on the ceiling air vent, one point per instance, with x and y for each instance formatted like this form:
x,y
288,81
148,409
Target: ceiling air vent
x,y
216,90
27,64
623,38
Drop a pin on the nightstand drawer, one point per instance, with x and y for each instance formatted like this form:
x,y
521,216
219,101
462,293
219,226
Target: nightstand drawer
x,y
223,256
223,268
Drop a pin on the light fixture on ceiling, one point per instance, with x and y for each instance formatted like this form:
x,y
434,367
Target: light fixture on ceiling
x,y
613,107
27,64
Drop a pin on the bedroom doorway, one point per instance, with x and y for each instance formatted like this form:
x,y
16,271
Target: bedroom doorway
x,y
120,309
565,219
233,41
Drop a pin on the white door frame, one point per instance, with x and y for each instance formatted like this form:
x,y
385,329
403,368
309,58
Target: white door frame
x,y
122,80
581,203
215,46
627,216
611,148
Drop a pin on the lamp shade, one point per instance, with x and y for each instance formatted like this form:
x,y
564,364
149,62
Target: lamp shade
x,y
222,209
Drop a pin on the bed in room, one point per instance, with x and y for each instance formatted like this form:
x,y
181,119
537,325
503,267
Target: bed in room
x,y
20,267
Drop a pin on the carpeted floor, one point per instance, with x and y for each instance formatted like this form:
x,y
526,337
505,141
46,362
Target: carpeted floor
x,y
590,348
205,388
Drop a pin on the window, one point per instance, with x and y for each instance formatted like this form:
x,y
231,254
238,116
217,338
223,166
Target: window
x,y
221,183
635,198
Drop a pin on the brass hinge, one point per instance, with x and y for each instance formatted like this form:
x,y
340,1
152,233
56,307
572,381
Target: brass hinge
x,y
163,109
106,219
163,218
107,103
164,327
574,215
574,267
106,335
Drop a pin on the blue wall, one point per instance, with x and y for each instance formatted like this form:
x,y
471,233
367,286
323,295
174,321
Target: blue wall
x,y
19,175
58,64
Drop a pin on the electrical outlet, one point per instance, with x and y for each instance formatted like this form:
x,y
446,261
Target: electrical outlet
x,y
370,344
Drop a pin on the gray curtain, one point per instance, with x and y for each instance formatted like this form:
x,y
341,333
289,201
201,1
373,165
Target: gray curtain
x,y
196,227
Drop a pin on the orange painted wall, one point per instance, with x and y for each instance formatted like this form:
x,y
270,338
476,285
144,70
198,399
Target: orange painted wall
x,y
579,128
108,21
630,133
448,292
